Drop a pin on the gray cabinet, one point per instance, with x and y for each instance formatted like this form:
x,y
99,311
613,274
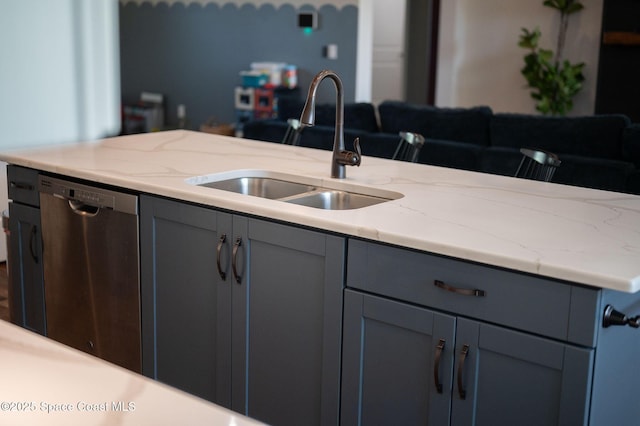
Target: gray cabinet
x,y
185,305
242,311
442,330
397,363
504,376
287,321
26,284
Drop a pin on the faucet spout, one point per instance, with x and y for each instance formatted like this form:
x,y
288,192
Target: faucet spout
x,y
341,157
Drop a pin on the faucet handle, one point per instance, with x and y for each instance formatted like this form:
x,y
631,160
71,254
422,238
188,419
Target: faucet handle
x,y
354,158
350,158
356,146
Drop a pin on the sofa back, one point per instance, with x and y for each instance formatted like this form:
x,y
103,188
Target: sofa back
x,y
357,116
469,125
631,144
597,136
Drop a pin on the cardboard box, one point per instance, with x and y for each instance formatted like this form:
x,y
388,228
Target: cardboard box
x,y
213,127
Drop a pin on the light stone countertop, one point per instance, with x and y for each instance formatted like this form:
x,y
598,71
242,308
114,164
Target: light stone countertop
x,y
47,383
569,233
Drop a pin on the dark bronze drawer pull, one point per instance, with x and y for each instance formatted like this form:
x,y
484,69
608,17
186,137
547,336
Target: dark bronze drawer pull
x,y
436,365
234,261
221,241
463,291
463,356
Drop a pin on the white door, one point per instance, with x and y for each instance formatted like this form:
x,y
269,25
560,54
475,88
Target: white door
x,y
388,61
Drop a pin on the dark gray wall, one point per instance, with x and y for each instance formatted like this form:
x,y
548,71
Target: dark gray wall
x,y
193,54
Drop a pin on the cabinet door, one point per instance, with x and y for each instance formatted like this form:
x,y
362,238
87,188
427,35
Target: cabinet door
x,y
185,310
397,363
287,316
26,285
508,377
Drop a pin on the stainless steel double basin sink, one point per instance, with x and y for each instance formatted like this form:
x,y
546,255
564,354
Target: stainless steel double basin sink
x,y
294,189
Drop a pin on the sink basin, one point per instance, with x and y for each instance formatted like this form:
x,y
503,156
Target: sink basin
x,y
336,200
260,187
293,189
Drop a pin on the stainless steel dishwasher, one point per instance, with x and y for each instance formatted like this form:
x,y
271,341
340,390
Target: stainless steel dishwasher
x,y
91,272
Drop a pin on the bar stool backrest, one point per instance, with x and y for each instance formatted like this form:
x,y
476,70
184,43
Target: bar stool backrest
x,y
409,147
292,135
537,164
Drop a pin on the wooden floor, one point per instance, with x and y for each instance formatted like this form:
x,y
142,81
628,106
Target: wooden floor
x,y
4,301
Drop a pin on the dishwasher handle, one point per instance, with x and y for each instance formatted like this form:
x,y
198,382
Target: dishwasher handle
x,y
88,200
83,209
32,244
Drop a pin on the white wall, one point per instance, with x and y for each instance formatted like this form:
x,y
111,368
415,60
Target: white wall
x,y
59,77
479,60
365,51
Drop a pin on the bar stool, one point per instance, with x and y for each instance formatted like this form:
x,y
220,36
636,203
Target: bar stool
x,y
292,135
537,164
408,147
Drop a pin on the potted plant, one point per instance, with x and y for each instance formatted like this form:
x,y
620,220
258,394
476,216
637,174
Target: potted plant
x,y
554,82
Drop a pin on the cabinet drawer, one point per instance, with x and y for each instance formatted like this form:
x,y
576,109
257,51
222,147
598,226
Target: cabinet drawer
x,y
543,306
23,185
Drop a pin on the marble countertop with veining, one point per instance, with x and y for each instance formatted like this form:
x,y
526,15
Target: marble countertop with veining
x,y
568,233
47,383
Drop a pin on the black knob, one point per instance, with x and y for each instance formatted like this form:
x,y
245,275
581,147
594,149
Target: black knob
x,y
614,317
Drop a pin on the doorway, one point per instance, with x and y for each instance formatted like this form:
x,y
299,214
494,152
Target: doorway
x,y
404,54
388,62
619,60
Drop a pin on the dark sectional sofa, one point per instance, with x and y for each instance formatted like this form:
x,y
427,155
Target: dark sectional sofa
x,y
599,151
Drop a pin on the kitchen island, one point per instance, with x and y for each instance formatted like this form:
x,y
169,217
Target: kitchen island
x,y
575,234
548,258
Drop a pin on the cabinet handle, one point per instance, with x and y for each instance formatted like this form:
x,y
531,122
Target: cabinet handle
x,y
436,366
221,241
21,185
463,291
463,356
614,317
234,261
32,243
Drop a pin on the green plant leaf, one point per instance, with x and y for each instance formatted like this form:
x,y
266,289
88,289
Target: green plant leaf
x,y
556,4
553,83
564,6
545,55
529,39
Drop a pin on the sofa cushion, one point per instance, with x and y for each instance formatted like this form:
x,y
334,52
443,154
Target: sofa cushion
x,y
597,136
289,108
382,145
633,182
359,116
610,175
500,160
631,143
459,155
265,130
469,125
319,137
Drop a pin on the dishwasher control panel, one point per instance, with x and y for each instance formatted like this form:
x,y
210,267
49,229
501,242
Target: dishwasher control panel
x,y
90,195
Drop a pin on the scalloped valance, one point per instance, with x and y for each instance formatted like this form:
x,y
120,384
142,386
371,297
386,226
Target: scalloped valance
x,y
276,3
